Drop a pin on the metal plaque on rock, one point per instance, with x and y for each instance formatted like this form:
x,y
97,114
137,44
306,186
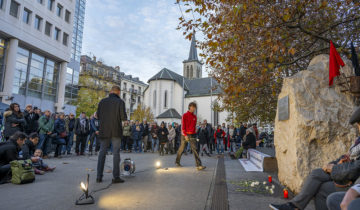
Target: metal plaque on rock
x,y
283,108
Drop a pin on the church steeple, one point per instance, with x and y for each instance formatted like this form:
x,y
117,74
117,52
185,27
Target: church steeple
x,y
193,52
192,66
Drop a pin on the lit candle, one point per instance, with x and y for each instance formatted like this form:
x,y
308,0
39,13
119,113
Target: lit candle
x,y
286,193
270,179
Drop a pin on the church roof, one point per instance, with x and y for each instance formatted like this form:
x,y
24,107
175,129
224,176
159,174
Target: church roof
x,y
170,113
166,74
202,87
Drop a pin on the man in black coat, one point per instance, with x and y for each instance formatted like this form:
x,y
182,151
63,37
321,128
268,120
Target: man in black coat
x,y
9,151
111,113
31,118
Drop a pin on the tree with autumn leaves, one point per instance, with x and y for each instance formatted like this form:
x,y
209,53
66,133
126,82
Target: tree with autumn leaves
x,y
250,46
142,113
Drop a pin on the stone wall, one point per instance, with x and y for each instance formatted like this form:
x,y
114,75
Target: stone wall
x,y
318,129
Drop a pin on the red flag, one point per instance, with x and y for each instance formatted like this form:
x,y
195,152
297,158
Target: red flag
x,y
335,62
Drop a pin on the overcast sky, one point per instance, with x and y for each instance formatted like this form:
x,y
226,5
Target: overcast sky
x,y
140,36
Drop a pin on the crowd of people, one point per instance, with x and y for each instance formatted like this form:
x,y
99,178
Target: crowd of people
x,y
44,132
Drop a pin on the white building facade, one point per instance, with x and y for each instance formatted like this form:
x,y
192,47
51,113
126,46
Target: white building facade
x,y
35,48
132,92
169,93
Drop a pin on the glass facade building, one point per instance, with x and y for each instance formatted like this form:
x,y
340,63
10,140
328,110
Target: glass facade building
x,y
73,69
35,75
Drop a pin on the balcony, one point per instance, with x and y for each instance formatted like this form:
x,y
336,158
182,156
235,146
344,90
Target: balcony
x,y
132,101
133,91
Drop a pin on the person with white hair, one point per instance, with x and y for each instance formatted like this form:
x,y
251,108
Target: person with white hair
x,y
250,139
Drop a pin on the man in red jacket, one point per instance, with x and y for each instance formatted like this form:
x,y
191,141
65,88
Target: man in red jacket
x,y
188,134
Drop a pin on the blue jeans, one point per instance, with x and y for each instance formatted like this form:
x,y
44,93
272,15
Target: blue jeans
x,y
43,143
220,143
69,142
154,144
137,145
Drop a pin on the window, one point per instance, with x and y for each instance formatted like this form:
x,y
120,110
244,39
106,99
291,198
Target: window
x,y
124,96
14,8
59,10
48,28
139,90
22,60
187,72
191,72
154,99
1,3
26,16
36,75
38,21
65,39
125,85
165,99
139,99
57,34
50,4
40,1
67,16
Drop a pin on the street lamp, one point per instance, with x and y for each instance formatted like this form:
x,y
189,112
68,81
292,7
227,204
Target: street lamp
x,y
85,198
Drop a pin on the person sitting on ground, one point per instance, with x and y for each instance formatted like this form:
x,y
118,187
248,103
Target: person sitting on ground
x,y
9,151
162,133
321,182
40,165
29,146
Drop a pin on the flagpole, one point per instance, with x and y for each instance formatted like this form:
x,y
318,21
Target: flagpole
x,y
183,95
211,104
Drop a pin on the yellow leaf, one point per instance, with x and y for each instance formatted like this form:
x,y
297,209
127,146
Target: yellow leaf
x,y
292,51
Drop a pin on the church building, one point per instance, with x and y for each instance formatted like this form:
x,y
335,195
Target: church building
x,y
169,93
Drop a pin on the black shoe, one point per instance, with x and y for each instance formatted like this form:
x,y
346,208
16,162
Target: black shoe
x,y
178,165
208,154
117,180
286,206
200,168
69,153
202,154
98,180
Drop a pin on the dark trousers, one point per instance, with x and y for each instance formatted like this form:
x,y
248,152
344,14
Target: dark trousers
x,y
192,141
317,185
334,200
97,142
4,171
129,143
80,143
161,150
104,145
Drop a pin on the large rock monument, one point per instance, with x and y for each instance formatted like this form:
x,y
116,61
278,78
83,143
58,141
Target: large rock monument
x,y
312,122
